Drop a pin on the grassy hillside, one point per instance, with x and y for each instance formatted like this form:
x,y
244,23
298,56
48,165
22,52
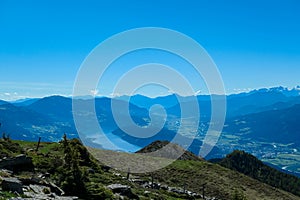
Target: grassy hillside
x,y
73,169
220,182
249,165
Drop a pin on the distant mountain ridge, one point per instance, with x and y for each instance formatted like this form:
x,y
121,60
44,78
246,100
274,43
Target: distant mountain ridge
x,y
59,108
271,126
3,102
24,102
259,117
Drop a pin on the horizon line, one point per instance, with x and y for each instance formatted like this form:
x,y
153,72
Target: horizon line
x,y
241,91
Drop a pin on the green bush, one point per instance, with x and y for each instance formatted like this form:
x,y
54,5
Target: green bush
x,y
238,195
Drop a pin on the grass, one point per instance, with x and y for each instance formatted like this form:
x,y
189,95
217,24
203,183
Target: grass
x,y
134,162
6,195
220,182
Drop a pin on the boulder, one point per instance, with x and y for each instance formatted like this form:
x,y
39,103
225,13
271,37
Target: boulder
x,y
118,188
39,189
123,190
12,185
18,163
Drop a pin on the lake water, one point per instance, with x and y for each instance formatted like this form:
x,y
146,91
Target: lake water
x,y
112,142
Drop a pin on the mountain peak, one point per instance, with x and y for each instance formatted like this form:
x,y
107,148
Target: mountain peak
x,y
295,91
171,151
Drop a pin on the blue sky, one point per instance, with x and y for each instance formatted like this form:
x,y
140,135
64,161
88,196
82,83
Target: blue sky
x,y
43,43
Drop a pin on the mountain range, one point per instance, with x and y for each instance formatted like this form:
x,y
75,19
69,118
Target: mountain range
x,y
263,122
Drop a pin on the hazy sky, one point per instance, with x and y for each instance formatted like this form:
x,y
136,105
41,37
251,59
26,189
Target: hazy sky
x,y
43,43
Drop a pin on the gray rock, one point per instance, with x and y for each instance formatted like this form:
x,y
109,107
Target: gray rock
x,y
54,188
33,196
43,176
39,189
12,185
118,187
164,187
18,163
123,190
138,181
6,172
91,171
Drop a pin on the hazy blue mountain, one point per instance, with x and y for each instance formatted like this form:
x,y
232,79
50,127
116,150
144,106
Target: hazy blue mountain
x,y
3,102
59,109
271,126
24,102
254,122
291,101
245,103
56,107
267,114
105,115
138,100
51,117
285,91
25,124
254,101
237,104
203,105
147,102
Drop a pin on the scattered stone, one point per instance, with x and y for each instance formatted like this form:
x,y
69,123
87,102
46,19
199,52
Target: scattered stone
x,y
116,174
54,188
43,176
176,190
6,173
12,185
164,187
118,188
151,185
33,196
138,181
147,192
105,168
122,190
30,150
91,171
34,189
38,189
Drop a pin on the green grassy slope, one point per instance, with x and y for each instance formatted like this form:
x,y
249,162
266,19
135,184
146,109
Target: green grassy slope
x,y
220,182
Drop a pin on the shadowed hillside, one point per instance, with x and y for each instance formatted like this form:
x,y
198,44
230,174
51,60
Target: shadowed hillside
x,y
249,165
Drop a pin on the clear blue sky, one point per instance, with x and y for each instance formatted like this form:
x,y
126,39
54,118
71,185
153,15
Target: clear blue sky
x,y
42,43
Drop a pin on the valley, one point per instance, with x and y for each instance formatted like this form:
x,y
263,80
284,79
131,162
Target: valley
x,y
262,122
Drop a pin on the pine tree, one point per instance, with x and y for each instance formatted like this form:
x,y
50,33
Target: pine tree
x,y
72,180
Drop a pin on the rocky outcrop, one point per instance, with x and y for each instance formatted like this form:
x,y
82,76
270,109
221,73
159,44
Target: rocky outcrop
x,y
12,185
18,163
122,190
41,192
33,188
